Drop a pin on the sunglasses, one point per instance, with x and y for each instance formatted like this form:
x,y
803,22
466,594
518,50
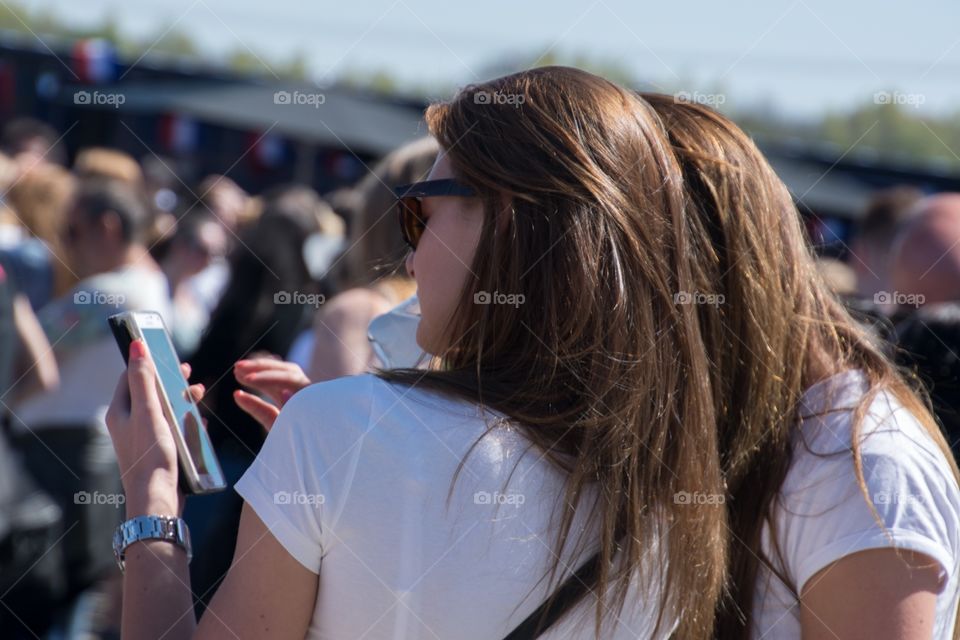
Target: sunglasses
x,y
410,204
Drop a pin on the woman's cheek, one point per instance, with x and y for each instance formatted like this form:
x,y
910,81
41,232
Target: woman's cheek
x,y
427,293
441,265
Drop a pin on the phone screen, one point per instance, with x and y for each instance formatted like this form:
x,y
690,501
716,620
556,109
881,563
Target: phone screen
x,y
188,418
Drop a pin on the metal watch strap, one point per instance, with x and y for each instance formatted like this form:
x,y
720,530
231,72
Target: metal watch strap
x,y
151,527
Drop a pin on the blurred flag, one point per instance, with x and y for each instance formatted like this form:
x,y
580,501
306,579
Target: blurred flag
x,y
94,61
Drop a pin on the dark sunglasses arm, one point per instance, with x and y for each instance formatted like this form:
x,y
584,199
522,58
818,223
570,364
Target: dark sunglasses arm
x,y
445,187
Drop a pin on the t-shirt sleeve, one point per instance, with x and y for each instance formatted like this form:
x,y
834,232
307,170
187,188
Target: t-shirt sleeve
x,y
823,515
299,481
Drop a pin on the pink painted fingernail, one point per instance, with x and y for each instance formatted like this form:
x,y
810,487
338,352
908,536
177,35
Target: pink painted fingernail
x,y
138,350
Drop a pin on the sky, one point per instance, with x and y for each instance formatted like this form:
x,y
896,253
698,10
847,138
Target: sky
x,y
799,57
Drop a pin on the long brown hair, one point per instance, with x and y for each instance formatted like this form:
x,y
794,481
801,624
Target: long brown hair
x,y
672,318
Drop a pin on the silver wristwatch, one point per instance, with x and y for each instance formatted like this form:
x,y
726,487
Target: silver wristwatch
x,y
151,528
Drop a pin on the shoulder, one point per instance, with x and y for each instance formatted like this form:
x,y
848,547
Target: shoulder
x,y
888,435
354,305
338,406
373,405
365,427
908,497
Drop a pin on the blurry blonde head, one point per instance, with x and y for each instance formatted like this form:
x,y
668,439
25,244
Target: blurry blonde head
x,y
100,162
40,198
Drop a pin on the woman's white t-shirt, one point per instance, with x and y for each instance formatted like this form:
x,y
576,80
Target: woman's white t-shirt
x,y
353,479
822,515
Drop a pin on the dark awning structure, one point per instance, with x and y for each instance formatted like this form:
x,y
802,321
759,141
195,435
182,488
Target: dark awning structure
x,y
320,116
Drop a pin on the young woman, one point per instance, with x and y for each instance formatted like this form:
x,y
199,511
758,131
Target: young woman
x,y
634,356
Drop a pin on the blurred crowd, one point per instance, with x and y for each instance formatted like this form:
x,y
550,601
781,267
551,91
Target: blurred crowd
x,y
285,274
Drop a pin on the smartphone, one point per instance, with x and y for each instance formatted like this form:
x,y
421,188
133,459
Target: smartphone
x,y
200,470
393,336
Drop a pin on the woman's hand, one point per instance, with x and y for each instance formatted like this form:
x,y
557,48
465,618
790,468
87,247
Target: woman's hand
x,y
274,378
146,451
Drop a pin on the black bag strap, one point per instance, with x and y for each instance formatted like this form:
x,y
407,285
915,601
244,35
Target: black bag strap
x,y
566,594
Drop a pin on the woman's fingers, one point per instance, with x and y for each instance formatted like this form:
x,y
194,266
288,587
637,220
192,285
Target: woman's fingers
x,y
276,379
197,391
145,448
244,367
260,410
185,369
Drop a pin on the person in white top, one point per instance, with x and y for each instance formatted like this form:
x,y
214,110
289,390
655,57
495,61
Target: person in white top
x,y
635,370
822,515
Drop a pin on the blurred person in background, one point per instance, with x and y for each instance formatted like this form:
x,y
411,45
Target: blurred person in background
x,y
165,191
839,276
32,143
322,251
34,365
268,301
339,344
372,244
39,200
926,284
61,432
198,241
926,254
28,279
226,200
874,234
31,562
101,162
27,258
232,208
929,344
366,277
346,202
